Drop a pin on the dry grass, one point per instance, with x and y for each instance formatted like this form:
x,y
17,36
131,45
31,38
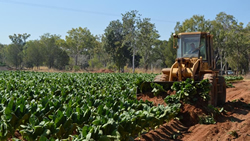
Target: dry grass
x,y
140,70
46,69
127,70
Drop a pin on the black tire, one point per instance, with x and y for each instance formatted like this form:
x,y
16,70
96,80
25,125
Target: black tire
x,y
213,92
221,98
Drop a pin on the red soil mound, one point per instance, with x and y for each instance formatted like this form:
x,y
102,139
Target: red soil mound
x,y
232,124
155,99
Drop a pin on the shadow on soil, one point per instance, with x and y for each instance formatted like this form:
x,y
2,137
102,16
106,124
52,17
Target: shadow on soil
x,y
235,107
171,131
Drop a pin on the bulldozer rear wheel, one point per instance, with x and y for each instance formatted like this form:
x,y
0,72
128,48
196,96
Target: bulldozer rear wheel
x,y
213,92
161,77
221,91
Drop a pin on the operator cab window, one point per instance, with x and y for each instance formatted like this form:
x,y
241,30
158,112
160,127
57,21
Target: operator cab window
x,y
192,46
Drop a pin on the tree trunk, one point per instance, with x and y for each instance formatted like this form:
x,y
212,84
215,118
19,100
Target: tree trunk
x,y
76,57
151,68
238,54
248,63
16,63
133,60
226,63
221,64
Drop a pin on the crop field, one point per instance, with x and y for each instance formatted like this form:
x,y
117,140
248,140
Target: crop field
x,y
84,106
76,106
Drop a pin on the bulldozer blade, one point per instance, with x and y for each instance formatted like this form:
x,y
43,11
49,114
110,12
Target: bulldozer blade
x,y
148,87
163,88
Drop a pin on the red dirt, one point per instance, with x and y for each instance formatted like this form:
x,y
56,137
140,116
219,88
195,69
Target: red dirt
x,y
155,99
233,124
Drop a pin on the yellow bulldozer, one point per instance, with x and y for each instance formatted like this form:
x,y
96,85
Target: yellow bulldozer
x,y
195,60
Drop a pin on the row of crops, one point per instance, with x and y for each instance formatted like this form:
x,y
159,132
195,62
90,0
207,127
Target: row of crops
x,y
233,78
76,106
230,79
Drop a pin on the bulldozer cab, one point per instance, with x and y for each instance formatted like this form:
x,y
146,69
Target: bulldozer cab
x,y
195,45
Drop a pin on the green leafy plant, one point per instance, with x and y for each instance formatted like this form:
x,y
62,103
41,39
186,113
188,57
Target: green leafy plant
x,y
206,119
234,134
235,100
189,92
215,110
157,89
78,106
229,85
233,78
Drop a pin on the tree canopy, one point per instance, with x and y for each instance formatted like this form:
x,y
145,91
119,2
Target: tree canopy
x,y
132,42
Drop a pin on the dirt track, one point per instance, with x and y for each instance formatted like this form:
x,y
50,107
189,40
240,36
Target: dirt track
x,y
233,124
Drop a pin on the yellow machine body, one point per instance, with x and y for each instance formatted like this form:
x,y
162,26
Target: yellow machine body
x,y
195,60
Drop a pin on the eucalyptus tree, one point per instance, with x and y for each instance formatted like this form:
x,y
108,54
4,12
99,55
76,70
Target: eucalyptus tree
x,y
164,54
54,55
147,37
237,48
2,53
62,59
13,56
14,52
131,20
19,39
194,24
221,26
79,41
170,52
159,53
113,42
247,35
33,54
99,57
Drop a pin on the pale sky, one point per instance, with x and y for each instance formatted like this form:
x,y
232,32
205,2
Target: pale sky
x,y
37,17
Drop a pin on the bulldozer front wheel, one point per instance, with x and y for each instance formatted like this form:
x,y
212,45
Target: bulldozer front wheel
x,y
221,91
213,92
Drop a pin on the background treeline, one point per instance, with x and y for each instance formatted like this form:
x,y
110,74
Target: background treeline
x,y
131,42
